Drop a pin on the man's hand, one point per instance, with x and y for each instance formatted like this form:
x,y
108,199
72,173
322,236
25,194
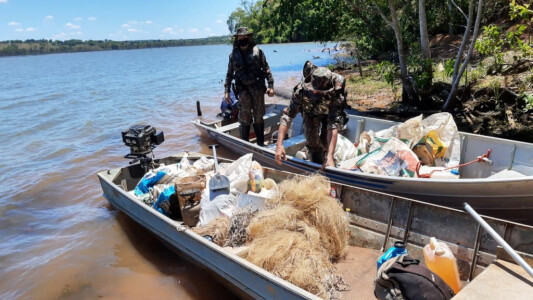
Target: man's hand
x,y
280,154
226,97
270,92
329,162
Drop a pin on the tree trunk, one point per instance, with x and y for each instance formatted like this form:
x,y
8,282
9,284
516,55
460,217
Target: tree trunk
x,y
406,80
450,25
358,57
424,45
457,79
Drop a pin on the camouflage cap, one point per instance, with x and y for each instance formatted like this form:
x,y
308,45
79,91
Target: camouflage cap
x,y
242,31
321,79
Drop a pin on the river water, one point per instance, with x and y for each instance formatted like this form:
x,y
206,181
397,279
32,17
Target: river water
x,y
61,117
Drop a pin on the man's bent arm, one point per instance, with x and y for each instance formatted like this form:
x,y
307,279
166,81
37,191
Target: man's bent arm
x,y
332,144
229,77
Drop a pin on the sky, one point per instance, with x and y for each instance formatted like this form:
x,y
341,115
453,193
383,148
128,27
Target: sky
x,y
114,19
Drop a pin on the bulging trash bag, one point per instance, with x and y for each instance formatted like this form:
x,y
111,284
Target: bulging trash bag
x,y
394,158
204,164
222,205
344,150
162,204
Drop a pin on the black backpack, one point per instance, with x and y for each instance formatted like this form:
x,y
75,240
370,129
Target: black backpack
x,y
402,278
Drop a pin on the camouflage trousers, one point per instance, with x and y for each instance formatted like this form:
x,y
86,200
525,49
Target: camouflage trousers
x,y
316,132
252,105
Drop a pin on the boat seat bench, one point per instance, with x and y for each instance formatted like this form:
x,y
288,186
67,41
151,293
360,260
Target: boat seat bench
x,y
291,145
499,281
270,119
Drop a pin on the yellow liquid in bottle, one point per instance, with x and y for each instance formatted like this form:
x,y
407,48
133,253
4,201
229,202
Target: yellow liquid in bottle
x,y
440,260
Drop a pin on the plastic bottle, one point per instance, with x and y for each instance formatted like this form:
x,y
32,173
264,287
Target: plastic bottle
x,y
439,259
396,250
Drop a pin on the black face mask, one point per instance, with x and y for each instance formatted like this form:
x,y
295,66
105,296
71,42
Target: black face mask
x,y
243,43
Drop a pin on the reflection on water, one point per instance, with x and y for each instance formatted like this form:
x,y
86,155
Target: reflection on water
x,y
62,115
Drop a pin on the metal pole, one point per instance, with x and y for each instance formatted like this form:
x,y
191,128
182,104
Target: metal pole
x,y
499,239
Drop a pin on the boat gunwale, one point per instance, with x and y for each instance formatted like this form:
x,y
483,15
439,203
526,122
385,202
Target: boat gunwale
x,y
368,175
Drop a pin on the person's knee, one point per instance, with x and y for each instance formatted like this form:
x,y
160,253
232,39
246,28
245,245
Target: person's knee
x,y
258,119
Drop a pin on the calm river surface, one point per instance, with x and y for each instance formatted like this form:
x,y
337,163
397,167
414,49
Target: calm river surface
x,y
61,117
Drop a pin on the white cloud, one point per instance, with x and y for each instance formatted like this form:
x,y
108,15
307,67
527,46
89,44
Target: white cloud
x,y
134,30
219,21
194,30
76,33
19,29
91,19
125,26
208,29
78,19
13,23
148,22
170,31
30,29
58,36
49,17
72,26
3,1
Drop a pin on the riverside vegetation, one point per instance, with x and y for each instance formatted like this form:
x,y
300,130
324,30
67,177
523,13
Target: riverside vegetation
x,y
473,58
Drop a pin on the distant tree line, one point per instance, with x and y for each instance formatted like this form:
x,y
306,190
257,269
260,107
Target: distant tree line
x,y
44,46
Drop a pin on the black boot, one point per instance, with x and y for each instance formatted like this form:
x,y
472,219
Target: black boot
x,y
317,157
260,134
244,130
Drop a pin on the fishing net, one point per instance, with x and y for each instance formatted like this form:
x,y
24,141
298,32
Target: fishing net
x,y
271,220
237,228
303,192
311,196
218,230
329,219
300,235
295,258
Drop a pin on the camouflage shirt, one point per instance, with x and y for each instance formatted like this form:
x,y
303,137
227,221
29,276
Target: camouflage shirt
x,y
315,102
248,68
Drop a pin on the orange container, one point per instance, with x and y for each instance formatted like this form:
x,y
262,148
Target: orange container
x,y
441,261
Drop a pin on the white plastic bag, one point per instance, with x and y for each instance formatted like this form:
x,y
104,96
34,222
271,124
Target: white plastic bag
x,y
237,172
204,164
222,205
344,150
443,126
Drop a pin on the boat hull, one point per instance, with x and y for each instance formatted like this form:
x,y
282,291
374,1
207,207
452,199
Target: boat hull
x,y
510,199
244,278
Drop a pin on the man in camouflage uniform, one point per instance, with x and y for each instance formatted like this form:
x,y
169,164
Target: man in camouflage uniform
x,y
248,66
321,100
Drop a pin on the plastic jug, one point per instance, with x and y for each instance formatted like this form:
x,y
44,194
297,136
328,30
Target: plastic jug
x,y
440,260
396,250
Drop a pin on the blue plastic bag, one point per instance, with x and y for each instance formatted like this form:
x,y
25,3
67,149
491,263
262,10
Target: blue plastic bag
x,y
162,204
148,181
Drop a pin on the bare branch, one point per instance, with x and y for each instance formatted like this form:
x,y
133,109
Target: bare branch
x,y
466,36
382,14
457,6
